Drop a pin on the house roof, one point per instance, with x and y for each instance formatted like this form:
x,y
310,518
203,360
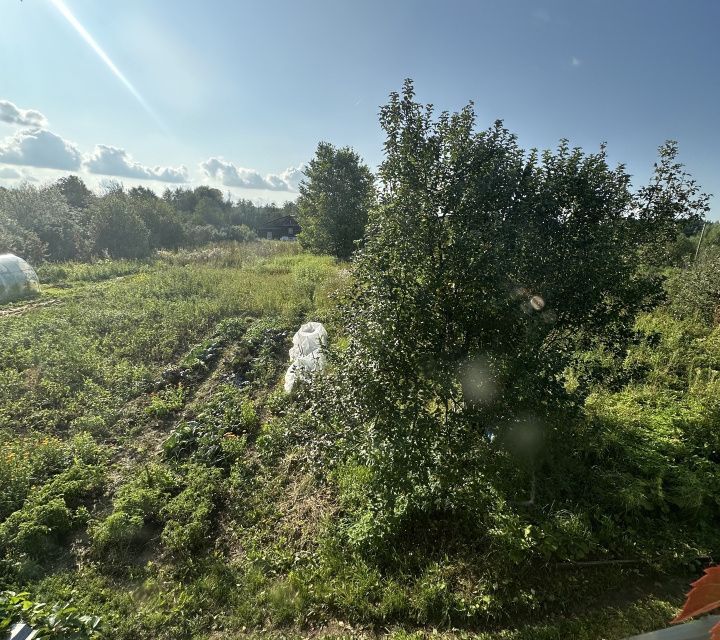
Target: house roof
x,y
284,221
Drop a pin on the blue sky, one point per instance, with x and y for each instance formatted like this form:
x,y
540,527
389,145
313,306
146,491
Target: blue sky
x,y
237,94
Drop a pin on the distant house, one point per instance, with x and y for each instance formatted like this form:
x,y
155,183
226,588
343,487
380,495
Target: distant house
x,y
285,228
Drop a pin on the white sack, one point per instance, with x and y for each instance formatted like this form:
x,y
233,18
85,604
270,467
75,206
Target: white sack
x,y
306,354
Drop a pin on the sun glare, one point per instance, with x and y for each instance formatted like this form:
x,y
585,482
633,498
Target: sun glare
x,y
70,17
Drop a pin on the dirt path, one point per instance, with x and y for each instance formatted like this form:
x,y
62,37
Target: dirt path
x,y
16,311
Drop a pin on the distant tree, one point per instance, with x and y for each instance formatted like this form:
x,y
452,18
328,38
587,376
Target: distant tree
x,y
15,239
111,186
182,200
163,224
244,212
118,229
52,229
334,201
200,206
209,192
682,250
290,208
209,211
140,192
75,191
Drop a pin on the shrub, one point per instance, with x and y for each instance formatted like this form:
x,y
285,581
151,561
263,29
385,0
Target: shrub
x,y
51,512
136,512
695,291
189,515
42,225
62,621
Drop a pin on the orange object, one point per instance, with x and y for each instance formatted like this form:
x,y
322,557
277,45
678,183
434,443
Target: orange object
x,y
704,596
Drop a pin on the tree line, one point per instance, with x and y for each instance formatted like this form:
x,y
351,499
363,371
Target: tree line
x,y
67,221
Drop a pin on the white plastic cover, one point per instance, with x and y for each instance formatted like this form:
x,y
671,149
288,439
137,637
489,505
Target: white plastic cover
x,y
306,354
17,277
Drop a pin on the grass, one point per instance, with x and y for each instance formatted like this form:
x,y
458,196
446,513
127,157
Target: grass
x,y
74,365
607,623
154,473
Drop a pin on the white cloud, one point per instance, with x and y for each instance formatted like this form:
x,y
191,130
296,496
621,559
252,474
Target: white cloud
x,y
233,176
575,62
23,117
40,148
294,176
8,173
112,161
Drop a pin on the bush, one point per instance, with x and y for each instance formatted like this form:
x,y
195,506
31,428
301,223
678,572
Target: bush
x,y
41,225
695,291
53,511
136,512
189,515
59,621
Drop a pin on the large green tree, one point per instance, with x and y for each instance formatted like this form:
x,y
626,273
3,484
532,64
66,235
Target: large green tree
x,y
334,201
486,273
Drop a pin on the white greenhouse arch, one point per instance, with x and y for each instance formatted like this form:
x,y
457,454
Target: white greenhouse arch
x,y
17,278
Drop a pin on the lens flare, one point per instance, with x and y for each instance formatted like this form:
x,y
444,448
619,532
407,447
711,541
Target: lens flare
x,y
70,17
537,303
477,380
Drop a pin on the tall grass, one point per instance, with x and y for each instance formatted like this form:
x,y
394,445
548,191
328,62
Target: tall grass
x,y
76,364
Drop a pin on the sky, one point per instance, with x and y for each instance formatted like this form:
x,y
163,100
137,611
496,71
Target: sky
x,y
236,94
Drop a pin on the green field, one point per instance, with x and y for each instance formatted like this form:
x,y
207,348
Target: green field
x,y
155,474
93,498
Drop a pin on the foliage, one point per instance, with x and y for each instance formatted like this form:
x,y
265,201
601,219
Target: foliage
x,y
119,231
14,238
51,513
161,220
485,272
60,621
136,509
695,291
334,201
39,224
83,272
671,200
189,515
193,439
225,418
166,402
75,192
67,221
29,461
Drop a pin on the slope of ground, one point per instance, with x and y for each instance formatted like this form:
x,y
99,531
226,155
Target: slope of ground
x,y
155,474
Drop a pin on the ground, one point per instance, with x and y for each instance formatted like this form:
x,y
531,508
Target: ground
x,y
154,473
